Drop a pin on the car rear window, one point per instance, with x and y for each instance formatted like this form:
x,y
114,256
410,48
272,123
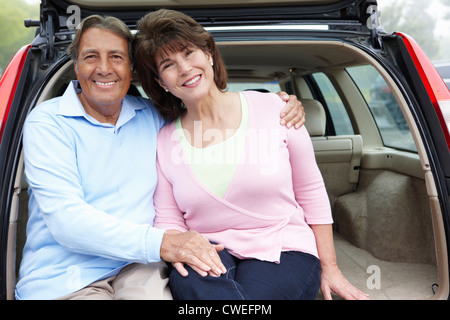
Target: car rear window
x,y
270,86
444,71
338,113
385,109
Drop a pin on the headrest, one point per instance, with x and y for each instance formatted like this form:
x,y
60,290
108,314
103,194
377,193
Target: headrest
x,y
315,117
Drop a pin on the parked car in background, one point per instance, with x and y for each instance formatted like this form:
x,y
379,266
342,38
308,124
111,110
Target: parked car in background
x,y
443,67
378,113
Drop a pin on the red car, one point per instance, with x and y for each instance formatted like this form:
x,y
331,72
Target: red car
x,y
385,162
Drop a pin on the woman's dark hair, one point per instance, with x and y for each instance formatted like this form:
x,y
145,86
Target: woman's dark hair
x,y
165,31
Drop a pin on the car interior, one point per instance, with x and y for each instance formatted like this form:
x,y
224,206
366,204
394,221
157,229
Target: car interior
x,y
388,228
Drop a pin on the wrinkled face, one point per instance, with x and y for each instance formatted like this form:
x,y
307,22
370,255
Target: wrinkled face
x,y
103,68
187,74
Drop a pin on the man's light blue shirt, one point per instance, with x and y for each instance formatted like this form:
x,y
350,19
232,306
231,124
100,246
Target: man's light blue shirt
x,y
91,189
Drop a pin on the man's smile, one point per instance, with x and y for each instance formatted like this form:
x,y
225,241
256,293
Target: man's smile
x,y
105,84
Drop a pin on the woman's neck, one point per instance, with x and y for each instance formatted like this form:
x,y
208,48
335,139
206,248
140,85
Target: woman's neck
x,y
210,108
220,115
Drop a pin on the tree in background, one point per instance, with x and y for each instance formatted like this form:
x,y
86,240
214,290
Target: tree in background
x,y
412,18
446,40
13,33
447,3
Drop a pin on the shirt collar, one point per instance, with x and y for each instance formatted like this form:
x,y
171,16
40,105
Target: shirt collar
x,y
70,106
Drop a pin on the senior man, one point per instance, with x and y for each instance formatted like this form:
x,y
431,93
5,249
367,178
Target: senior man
x,y
90,166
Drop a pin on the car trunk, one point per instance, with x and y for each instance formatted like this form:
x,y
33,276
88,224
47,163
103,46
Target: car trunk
x,y
386,204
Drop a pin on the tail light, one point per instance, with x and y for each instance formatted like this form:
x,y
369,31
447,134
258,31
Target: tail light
x,y
8,84
435,86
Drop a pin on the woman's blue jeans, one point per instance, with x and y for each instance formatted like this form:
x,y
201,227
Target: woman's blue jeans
x,y
296,277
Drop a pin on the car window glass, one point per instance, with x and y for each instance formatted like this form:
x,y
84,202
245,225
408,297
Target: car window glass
x,y
444,71
273,86
385,109
338,113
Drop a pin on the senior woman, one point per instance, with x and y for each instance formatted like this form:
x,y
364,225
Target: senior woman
x,y
229,171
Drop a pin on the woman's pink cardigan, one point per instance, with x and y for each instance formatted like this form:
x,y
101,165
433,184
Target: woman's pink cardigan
x,y
276,193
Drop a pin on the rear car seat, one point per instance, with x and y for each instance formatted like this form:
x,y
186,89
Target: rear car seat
x,y
332,149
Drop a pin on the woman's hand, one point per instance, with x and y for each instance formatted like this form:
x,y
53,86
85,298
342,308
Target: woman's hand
x,y
332,279
334,282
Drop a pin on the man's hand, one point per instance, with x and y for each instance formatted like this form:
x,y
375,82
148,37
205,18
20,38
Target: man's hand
x,y
193,249
293,114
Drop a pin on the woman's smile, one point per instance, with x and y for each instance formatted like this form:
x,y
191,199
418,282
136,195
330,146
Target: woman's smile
x,y
192,81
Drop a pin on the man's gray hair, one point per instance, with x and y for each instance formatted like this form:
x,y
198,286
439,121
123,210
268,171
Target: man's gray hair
x,y
112,24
